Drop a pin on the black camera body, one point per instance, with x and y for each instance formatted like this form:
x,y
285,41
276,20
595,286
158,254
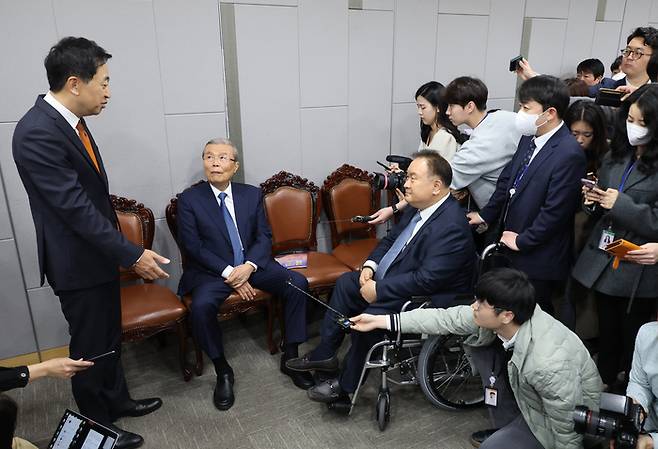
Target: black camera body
x,y
618,419
392,180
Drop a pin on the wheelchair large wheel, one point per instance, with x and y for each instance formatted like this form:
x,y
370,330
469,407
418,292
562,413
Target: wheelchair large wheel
x,y
446,375
383,409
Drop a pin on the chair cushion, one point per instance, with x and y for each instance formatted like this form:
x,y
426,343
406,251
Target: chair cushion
x,y
354,253
323,270
149,305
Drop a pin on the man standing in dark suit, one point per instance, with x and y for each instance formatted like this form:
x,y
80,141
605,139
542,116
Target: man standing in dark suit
x,y
430,252
80,247
227,242
538,192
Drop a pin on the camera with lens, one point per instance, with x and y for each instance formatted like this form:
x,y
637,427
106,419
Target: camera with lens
x,y
392,180
618,419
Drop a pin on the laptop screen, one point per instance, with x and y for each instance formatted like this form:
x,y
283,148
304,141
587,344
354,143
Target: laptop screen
x,y
77,432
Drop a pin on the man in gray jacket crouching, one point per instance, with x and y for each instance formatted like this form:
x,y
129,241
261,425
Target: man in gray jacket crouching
x,y
534,370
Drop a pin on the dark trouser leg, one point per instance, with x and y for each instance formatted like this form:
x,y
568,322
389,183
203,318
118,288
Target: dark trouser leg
x,y
642,311
206,300
544,293
272,279
356,358
611,310
94,318
516,434
347,300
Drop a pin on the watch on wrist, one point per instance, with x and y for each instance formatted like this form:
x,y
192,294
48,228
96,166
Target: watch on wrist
x,y
395,208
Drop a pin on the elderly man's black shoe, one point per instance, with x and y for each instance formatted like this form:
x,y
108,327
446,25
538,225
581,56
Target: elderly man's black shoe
x,y
223,397
477,438
305,363
301,379
126,440
326,392
140,407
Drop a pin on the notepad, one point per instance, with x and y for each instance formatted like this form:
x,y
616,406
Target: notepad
x,y
292,261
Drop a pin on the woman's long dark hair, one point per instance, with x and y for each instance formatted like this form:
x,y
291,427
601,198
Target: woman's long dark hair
x,y
590,113
8,412
434,92
646,98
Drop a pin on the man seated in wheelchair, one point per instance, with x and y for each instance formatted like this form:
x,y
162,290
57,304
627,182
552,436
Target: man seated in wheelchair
x,y
430,252
534,370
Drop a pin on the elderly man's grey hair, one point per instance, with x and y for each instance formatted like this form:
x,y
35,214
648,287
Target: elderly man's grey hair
x,y
221,141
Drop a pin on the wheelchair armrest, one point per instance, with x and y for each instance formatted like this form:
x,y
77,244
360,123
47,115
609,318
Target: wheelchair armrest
x,y
416,302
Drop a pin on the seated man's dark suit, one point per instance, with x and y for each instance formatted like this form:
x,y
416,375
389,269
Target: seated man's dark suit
x,y
207,246
541,210
436,262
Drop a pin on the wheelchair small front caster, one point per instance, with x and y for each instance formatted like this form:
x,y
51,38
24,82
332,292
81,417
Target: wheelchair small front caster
x,y
383,410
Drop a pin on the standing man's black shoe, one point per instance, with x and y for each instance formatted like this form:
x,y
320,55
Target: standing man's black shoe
x,y
140,407
477,438
303,380
223,396
126,440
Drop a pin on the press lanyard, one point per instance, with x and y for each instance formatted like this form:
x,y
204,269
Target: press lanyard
x,y
626,174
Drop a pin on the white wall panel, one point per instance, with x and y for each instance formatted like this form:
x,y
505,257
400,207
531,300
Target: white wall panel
x,y
324,142
613,10
414,47
370,85
15,322
606,43
653,16
506,104
51,327
505,29
264,2
5,224
375,5
190,55
455,59
268,64
186,136
636,14
28,32
323,52
464,7
405,130
556,9
544,54
578,40
165,245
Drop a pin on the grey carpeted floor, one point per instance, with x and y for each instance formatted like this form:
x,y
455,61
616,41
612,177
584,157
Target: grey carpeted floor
x,y
269,412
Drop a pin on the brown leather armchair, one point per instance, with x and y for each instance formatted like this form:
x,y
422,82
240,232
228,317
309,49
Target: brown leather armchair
x,y
345,193
234,305
292,205
147,308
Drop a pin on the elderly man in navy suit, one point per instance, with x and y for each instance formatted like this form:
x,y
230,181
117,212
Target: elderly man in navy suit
x,y
430,252
228,243
538,192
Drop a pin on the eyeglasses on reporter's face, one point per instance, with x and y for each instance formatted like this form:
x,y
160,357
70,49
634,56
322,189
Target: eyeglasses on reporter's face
x,y
633,53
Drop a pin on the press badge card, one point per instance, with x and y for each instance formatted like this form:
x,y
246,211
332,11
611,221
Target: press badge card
x,y
607,237
491,396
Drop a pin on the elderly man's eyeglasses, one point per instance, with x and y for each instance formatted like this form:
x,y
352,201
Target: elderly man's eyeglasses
x,y
223,158
633,54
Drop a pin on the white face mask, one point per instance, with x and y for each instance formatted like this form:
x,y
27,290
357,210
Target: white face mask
x,y
637,135
525,123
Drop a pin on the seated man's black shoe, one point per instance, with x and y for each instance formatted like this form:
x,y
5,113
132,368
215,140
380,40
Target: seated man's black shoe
x,y
140,407
301,379
223,397
326,392
305,363
477,438
342,405
126,440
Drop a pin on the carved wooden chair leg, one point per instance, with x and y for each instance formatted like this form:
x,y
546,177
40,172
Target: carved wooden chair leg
x,y
181,331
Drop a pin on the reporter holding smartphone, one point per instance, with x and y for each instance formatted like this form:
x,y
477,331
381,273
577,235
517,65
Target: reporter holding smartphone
x,y
625,205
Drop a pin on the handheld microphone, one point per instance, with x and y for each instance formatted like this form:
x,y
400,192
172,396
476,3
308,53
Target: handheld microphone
x,y
361,219
341,319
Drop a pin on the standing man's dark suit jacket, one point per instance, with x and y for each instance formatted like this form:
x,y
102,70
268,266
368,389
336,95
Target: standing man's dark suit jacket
x,y
542,209
203,233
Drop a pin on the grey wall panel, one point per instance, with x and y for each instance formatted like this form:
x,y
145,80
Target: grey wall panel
x,y
51,327
370,85
28,31
265,2
506,104
405,130
653,16
186,136
580,29
324,142
505,29
452,59
190,55
268,65
414,47
323,52
373,5
131,132
165,245
606,39
545,55
5,224
553,9
15,320
613,10
636,14
465,7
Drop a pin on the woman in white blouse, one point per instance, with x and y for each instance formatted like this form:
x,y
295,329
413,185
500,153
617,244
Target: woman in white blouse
x,y
436,131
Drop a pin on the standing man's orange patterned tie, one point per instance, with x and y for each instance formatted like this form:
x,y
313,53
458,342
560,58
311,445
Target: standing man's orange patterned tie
x,y
87,143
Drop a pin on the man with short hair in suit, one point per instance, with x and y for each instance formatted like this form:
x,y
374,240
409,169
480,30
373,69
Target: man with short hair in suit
x,y
430,252
538,192
80,247
227,241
